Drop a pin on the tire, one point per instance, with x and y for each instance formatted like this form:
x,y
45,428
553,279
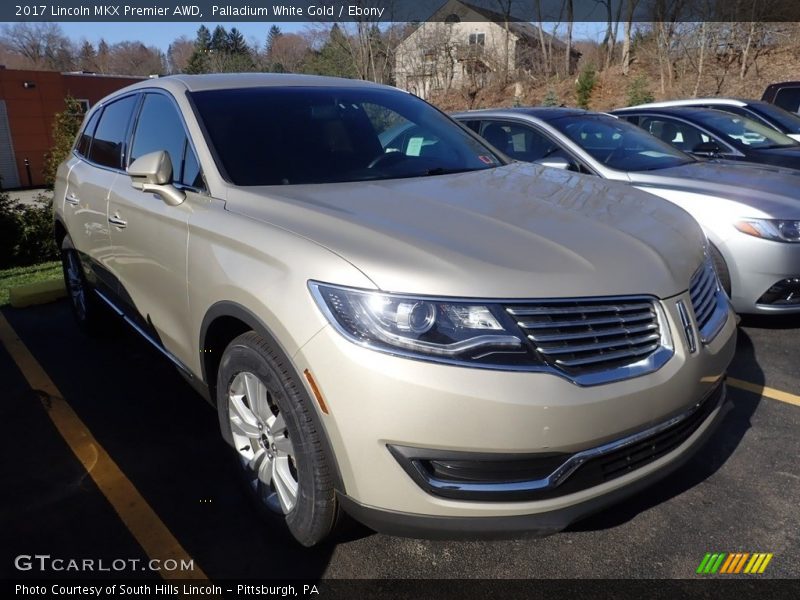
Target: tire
x,y
265,416
91,315
721,267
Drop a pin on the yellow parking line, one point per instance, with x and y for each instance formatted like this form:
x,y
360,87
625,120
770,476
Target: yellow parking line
x,y
140,519
767,392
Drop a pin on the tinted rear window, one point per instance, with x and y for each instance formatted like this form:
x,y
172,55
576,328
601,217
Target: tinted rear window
x,y
300,135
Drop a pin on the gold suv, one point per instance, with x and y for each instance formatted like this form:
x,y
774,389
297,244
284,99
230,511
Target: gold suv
x,y
393,320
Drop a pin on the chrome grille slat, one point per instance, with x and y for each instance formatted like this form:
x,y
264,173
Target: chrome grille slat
x,y
604,345
555,310
631,352
592,333
592,337
615,320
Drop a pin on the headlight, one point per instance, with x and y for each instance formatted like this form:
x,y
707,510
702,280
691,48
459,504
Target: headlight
x,y
478,334
771,229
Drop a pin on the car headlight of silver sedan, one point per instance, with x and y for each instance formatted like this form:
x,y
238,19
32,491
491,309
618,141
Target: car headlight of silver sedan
x,y
771,229
475,333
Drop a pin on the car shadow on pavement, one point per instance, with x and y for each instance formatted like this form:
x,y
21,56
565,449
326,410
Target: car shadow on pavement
x,y
707,460
164,438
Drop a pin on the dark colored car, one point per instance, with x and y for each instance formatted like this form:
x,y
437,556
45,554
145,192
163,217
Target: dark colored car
x,y
716,134
758,110
785,94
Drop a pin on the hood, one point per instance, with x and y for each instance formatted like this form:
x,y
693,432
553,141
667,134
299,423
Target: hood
x,y
519,231
773,190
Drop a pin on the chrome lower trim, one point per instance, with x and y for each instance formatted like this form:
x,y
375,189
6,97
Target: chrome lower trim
x,y
145,335
568,467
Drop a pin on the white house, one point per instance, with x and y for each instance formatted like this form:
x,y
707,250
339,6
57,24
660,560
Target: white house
x,y
462,45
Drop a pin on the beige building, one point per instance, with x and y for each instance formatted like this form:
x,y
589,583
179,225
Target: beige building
x,y
463,45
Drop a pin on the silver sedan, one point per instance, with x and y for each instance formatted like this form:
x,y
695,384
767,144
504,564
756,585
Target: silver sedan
x,y
750,213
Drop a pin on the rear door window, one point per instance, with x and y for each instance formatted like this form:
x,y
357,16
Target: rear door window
x,y
108,145
85,139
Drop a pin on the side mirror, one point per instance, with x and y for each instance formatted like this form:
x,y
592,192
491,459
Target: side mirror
x,y
707,149
153,173
555,162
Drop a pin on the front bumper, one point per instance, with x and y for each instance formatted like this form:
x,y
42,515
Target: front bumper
x,y
536,524
375,401
759,265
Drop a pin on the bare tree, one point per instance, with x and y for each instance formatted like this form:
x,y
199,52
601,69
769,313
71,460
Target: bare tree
x,y
134,58
41,45
288,52
179,53
630,10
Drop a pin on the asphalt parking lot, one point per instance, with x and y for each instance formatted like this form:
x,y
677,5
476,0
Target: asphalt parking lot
x,y
739,494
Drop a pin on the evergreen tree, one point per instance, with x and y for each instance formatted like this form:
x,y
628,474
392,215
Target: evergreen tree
x,y
639,91
333,58
273,34
219,39
236,43
198,61
203,40
551,98
585,85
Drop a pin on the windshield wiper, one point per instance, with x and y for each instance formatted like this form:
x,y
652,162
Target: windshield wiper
x,y
446,171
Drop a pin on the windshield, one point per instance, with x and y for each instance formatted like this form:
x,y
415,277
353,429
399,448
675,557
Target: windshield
x,y
744,132
619,144
301,135
789,122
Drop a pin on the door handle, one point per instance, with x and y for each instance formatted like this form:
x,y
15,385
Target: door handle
x,y
117,222
73,199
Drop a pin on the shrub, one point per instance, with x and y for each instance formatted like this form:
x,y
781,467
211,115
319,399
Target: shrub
x,y
26,232
584,86
639,91
66,125
551,98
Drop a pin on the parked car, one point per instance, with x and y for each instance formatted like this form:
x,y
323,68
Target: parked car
x,y
785,94
750,214
716,134
427,337
762,112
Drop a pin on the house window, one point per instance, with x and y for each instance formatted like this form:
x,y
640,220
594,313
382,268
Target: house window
x,y
477,39
452,18
84,104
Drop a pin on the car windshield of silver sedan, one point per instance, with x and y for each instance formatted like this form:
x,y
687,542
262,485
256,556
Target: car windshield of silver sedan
x,y
307,135
618,144
746,132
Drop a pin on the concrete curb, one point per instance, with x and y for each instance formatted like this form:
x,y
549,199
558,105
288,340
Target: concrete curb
x,y
40,292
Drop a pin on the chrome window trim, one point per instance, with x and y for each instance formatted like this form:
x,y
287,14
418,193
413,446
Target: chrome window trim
x,y
649,364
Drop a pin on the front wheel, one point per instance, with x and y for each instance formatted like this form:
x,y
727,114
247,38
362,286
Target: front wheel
x,y
91,315
265,416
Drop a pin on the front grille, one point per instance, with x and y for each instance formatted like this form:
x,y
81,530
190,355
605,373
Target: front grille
x,y
586,336
703,290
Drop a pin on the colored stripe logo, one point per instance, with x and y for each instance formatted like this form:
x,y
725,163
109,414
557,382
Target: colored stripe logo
x,y
731,563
